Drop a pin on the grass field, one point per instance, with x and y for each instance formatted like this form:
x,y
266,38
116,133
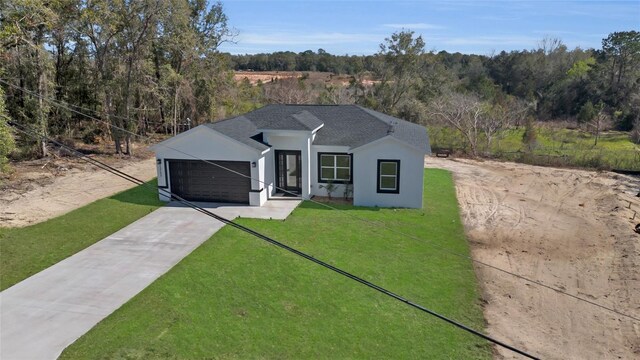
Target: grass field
x,y
555,147
31,249
236,297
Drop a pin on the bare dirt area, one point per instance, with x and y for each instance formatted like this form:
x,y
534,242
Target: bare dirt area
x,y
42,189
254,77
264,76
570,229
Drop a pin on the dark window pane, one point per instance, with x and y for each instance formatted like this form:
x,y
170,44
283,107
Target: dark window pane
x,y
388,168
342,174
343,160
327,160
388,182
327,173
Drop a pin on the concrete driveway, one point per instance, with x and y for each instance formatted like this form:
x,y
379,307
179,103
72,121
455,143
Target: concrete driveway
x,y
42,315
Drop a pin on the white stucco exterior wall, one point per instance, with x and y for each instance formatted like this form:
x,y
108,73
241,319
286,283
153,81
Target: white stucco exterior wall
x,y
204,143
291,140
269,172
365,170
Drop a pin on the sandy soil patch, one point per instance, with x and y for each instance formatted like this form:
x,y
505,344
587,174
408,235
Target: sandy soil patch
x,y
264,76
570,229
315,76
43,189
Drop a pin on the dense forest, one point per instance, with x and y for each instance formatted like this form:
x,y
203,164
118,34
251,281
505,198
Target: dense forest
x,y
136,65
103,70
559,81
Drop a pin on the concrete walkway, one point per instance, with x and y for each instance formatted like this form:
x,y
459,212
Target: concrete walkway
x,y
42,315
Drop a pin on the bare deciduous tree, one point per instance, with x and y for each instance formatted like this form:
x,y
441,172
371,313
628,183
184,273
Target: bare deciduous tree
x,y
463,112
288,91
336,95
599,123
498,117
549,44
473,118
635,132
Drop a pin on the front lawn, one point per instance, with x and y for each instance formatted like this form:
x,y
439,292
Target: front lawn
x,y
237,297
31,249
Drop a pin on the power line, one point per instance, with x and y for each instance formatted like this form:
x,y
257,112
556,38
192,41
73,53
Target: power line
x,y
276,243
392,230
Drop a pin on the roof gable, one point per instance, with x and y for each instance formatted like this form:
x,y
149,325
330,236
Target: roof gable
x,y
240,129
413,134
387,139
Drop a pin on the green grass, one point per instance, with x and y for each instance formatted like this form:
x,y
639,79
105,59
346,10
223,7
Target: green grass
x,y
237,297
555,147
28,250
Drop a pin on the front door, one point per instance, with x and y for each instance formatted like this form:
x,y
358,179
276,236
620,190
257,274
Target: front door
x,y
289,170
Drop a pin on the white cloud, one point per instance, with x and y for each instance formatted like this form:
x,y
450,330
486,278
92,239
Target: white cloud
x,y
291,38
414,26
555,32
498,17
490,40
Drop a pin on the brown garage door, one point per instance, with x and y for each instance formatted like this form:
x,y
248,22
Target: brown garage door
x,y
200,181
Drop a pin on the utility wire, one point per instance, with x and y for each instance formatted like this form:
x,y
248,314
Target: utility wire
x,y
375,223
275,242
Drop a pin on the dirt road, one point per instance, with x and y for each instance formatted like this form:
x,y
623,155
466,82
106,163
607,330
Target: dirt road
x,y
40,194
570,229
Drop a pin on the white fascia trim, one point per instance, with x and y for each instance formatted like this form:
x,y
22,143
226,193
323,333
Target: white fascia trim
x,y
382,139
236,141
177,137
331,148
188,132
295,132
287,132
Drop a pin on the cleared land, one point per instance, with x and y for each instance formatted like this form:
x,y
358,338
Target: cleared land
x,y
43,189
570,229
238,297
255,77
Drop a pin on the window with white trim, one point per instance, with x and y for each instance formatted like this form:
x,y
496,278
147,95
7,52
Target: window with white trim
x,y
334,167
389,176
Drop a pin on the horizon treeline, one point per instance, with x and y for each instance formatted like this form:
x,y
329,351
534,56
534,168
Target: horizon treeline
x,y
154,66
133,65
559,82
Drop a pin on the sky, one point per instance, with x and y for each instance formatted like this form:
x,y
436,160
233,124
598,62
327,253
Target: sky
x,y
470,27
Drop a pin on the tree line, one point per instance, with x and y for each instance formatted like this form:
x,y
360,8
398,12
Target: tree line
x,y
148,66
558,82
134,64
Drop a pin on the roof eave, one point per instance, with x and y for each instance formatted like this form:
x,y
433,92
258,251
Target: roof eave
x,y
164,143
387,137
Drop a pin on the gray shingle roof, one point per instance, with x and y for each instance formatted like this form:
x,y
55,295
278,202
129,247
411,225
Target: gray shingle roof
x,y
344,125
240,129
281,117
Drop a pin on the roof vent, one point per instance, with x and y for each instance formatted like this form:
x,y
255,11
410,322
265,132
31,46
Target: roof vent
x,y
392,125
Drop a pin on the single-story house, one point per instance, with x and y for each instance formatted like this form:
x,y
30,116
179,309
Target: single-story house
x,y
300,150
